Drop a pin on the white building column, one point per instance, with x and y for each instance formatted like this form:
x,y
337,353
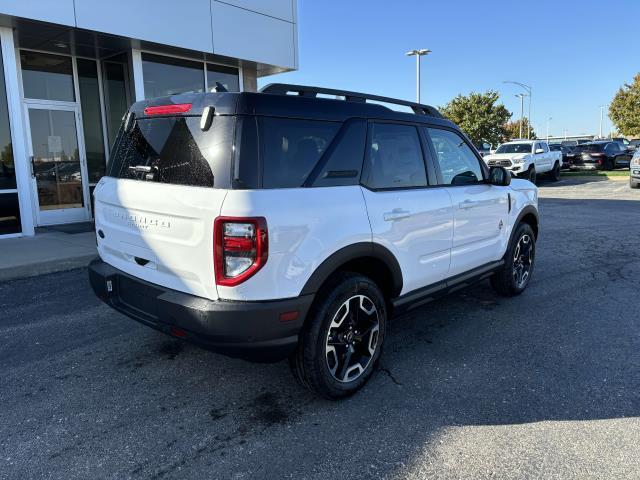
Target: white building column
x,y
138,79
18,135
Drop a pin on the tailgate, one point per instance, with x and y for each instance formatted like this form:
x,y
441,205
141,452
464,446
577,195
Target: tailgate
x,y
158,232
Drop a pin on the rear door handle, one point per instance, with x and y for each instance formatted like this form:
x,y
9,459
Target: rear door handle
x,y
396,214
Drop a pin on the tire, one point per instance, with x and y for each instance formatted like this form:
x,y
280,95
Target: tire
x,y
634,183
609,164
508,281
554,174
347,304
531,174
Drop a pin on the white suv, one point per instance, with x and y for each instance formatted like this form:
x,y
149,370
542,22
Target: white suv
x,y
270,226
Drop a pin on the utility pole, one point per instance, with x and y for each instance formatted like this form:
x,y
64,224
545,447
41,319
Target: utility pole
x,y
418,54
548,120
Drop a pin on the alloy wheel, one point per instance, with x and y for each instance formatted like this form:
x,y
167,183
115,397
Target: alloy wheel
x,y
352,338
522,261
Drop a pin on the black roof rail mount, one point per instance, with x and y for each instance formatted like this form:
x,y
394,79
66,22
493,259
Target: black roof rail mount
x,y
307,91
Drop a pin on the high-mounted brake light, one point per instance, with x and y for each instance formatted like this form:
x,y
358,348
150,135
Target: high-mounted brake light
x,y
240,248
168,109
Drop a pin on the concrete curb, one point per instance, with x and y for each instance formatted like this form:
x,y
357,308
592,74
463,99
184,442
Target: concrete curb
x,y
43,268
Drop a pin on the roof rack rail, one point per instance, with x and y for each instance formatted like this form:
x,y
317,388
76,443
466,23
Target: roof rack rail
x,y
307,91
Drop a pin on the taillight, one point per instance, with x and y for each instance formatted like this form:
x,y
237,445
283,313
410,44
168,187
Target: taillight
x,y
240,249
168,109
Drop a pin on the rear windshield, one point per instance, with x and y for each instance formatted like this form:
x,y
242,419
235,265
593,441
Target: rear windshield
x,y
591,148
175,150
514,148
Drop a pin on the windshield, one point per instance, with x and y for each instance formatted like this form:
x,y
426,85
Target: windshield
x,y
174,150
514,148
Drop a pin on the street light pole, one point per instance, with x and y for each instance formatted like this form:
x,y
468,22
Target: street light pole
x,y
418,54
602,107
521,97
548,120
528,90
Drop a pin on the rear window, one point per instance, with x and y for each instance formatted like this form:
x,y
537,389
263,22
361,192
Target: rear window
x,y
291,148
175,150
591,148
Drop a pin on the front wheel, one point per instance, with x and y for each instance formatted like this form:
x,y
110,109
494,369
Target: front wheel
x,y
514,275
342,338
634,183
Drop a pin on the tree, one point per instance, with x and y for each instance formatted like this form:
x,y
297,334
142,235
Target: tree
x,y
513,129
479,116
624,110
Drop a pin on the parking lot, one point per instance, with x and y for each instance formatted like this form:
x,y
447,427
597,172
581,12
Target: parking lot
x,y
545,385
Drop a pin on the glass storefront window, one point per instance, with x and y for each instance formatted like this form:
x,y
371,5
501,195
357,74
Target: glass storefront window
x,y
167,76
46,76
116,100
9,214
9,203
7,167
227,76
91,118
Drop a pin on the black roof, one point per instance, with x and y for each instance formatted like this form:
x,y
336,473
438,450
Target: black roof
x,y
274,100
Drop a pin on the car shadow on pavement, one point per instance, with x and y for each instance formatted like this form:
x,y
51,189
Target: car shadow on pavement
x,y
135,403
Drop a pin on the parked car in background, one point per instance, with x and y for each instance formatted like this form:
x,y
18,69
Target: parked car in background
x,y
635,143
566,151
600,155
634,174
527,159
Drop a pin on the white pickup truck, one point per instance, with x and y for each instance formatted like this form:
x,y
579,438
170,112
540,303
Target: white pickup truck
x,y
526,159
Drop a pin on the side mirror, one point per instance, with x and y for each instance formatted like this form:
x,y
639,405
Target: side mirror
x,y
499,176
539,150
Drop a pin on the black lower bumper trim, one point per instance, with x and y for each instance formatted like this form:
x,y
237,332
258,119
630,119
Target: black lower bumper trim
x,y
249,330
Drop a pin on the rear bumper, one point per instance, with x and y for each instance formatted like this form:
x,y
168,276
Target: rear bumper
x,y
249,330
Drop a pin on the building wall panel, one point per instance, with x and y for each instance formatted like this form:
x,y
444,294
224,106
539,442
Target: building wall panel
x,y
244,34
160,21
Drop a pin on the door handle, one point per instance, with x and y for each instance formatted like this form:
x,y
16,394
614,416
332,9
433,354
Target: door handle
x,y
33,166
396,214
467,204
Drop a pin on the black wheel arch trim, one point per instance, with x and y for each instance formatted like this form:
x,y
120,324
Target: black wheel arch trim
x,y
528,209
352,252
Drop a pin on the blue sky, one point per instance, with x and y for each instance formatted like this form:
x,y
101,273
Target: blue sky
x,y
575,54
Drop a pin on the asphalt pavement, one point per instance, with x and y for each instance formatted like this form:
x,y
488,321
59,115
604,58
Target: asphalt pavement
x,y
546,385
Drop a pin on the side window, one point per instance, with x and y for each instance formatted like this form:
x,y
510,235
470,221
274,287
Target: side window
x,y
344,157
458,164
395,157
545,147
292,148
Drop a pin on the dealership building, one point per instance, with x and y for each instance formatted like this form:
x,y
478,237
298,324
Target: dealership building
x,y
69,69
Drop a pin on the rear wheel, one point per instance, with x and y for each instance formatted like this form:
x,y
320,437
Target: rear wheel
x,y
342,339
609,164
513,277
554,174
